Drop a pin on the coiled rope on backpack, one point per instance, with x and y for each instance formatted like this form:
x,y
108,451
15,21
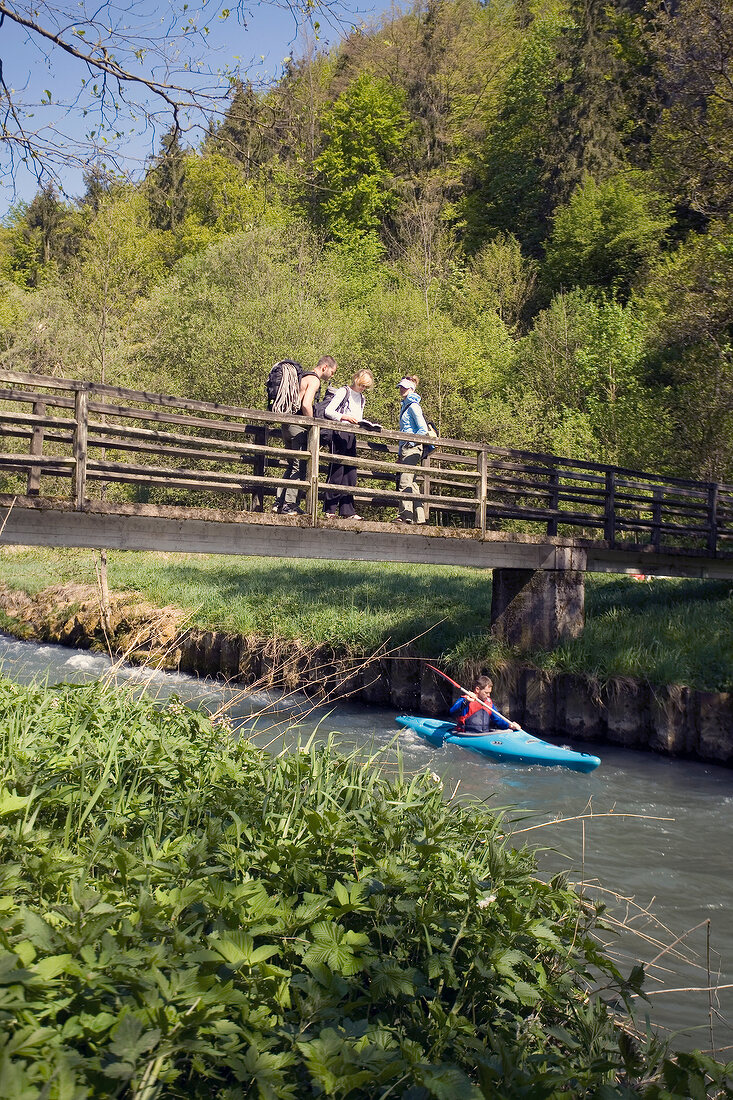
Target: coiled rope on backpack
x,y
285,399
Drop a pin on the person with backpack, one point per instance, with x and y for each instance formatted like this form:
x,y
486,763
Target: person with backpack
x,y
410,454
290,389
345,407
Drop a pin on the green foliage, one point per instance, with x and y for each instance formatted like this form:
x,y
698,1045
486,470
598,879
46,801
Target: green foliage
x,y
687,303
182,916
499,280
584,362
364,134
692,144
606,236
41,237
219,200
511,195
164,184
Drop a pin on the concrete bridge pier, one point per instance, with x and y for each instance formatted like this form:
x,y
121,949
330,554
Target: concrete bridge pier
x,y
537,608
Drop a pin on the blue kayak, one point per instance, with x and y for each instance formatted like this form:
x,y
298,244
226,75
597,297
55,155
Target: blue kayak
x,y
504,746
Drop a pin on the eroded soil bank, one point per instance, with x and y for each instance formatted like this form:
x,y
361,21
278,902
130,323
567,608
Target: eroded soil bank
x,y
672,719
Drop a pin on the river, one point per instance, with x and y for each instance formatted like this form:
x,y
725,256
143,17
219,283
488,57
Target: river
x,y
648,835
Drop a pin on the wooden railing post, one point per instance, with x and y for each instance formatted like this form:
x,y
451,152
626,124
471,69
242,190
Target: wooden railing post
x,y
259,464
554,502
609,520
81,429
657,519
34,474
314,448
482,490
713,494
427,483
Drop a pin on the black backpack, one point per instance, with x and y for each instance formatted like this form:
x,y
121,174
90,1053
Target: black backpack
x,y
283,384
319,407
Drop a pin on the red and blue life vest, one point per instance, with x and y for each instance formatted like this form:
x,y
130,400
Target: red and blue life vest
x,y
476,718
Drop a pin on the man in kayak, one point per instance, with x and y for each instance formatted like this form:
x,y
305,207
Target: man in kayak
x,y
475,712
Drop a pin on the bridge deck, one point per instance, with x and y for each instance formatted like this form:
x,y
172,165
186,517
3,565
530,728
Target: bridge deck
x,y
36,522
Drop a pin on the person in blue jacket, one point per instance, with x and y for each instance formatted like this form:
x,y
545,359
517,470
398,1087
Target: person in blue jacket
x,y
410,454
472,715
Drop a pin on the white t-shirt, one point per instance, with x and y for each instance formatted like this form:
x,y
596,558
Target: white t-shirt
x,y
354,408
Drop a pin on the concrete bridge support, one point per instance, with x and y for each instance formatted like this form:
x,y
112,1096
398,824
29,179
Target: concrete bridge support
x,y
537,609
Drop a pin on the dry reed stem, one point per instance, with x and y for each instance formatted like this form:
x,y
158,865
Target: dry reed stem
x,y
7,514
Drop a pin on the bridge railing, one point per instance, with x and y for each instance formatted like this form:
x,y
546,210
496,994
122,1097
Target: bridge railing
x,y
87,442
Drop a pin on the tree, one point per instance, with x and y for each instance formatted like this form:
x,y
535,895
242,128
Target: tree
x,y
121,260
511,192
240,137
219,199
587,99
607,235
423,245
164,181
141,67
365,131
688,304
693,143
42,234
583,363
498,279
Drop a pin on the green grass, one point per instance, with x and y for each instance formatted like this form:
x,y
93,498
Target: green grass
x,y
666,631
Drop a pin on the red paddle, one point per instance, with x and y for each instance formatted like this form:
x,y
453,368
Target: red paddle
x,y
463,691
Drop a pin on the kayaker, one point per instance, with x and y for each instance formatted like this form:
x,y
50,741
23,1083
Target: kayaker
x,y
475,712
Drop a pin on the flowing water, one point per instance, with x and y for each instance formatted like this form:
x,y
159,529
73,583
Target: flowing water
x,y
648,835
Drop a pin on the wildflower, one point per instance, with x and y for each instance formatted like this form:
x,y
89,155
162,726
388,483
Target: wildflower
x,y
436,778
485,902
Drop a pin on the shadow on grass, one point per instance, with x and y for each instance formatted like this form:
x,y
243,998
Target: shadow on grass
x,y
603,593
354,603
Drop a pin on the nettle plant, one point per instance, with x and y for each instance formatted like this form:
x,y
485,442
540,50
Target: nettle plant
x,y
183,915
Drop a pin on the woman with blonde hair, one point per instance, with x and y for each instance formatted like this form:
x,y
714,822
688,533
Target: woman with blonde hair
x,y
345,407
410,454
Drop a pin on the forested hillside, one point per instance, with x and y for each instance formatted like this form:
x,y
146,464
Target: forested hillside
x,y
527,204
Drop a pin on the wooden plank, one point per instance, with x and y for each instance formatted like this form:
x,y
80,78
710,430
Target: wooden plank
x,y
24,461
47,380
554,501
35,420
229,455
29,397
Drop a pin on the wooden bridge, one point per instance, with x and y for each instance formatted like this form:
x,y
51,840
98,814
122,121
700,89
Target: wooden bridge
x,y
84,464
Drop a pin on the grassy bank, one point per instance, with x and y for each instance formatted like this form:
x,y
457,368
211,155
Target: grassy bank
x,y
666,631
184,916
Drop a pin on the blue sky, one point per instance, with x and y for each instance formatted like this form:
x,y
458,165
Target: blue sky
x,y
47,79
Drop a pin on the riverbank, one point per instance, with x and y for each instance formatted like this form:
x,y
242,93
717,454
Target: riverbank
x,y
659,631
673,719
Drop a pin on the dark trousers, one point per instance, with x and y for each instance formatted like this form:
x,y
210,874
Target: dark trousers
x,y
339,502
